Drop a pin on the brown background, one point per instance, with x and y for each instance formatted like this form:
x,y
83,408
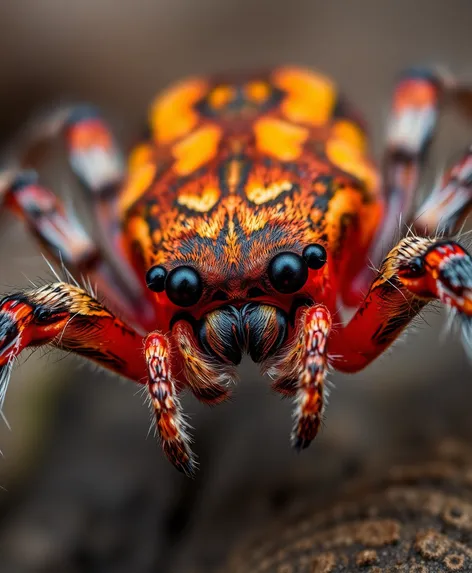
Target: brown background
x,y
86,490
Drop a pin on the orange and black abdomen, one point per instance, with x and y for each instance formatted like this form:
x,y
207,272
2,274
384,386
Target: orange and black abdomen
x,y
240,168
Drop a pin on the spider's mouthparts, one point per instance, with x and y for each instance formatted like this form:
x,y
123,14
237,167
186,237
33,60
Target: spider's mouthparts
x,y
228,332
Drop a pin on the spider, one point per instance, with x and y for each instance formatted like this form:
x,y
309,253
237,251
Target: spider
x,y
243,222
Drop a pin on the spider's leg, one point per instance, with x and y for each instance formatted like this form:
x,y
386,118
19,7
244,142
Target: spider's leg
x,y
94,156
69,318
416,271
450,201
417,100
300,371
170,424
96,160
64,238
413,118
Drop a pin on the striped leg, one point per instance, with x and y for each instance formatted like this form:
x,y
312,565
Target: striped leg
x,y
301,370
418,270
69,318
170,424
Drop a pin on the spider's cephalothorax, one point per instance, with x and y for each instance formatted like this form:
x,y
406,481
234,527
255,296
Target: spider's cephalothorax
x,y
240,225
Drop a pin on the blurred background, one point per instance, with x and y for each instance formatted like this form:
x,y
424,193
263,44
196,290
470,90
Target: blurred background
x,y
85,489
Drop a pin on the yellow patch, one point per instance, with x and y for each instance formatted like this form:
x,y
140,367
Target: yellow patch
x,y
280,139
139,156
201,202
260,194
258,91
196,149
172,115
350,160
310,97
221,96
350,133
138,181
139,231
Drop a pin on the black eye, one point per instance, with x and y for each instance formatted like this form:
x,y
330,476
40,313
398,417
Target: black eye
x,y
288,272
184,286
156,278
315,256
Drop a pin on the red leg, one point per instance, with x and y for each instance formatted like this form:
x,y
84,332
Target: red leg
x,y
170,424
418,270
67,317
300,372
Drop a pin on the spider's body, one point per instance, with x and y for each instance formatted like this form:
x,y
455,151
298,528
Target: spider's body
x,y
241,225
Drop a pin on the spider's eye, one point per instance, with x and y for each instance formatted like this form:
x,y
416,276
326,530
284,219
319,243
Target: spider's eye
x,y
288,272
184,286
315,256
156,278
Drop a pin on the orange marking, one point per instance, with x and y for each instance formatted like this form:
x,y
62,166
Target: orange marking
x,y
414,93
310,97
138,230
259,193
221,96
89,133
350,160
196,149
140,155
258,91
279,138
345,202
350,133
172,115
137,183
201,202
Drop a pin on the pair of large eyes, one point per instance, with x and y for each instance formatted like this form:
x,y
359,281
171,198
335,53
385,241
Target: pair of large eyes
x,y
288,272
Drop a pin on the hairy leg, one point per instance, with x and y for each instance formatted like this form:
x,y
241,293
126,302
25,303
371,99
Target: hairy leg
x,y
69,318
418,270
171,427
300,371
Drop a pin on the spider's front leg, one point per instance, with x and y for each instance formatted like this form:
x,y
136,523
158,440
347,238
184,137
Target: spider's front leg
x,y
69,318
300,372
162,386
418,270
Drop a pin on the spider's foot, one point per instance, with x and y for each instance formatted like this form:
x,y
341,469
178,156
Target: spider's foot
x,y
170,424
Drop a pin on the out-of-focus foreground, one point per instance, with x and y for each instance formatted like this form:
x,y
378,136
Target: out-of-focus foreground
x,y
86,491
